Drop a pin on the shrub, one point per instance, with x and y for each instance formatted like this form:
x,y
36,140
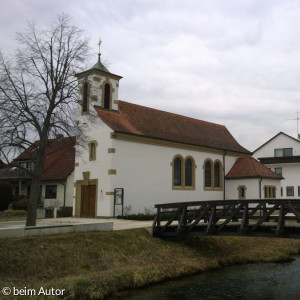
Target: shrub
x,y
66,211
137,217
6,195
21,203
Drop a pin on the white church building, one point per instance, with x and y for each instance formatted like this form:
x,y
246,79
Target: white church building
x,y
154,156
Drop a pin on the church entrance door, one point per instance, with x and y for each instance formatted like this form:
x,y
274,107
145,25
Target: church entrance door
x,y
88,201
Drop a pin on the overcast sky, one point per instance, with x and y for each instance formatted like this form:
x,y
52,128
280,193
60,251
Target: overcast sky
x,y
231,62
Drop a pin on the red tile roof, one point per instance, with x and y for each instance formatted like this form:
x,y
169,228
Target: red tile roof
x,y
59,160
250,168
148,122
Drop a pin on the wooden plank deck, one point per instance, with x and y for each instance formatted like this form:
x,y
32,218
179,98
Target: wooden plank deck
x,y
255,217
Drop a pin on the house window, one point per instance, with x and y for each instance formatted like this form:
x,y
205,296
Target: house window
x,y
92,150
183,172
51,191
270,191
283,152
26,165
85,97
212,175
106,96
242,191
278,171
290,191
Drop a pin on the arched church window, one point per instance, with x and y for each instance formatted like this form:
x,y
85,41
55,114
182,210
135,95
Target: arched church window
x,y
107,96
177,172
217,174
188,172
208,174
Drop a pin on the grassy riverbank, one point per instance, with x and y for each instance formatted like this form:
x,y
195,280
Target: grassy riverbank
x,y
98,264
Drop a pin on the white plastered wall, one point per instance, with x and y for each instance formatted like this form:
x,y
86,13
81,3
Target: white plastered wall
x,y
145,173
290,171
254,187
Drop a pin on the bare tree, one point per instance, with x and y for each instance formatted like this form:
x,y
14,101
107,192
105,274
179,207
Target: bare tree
x,y
38,93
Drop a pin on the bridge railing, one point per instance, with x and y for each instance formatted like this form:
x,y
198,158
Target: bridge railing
x,y
255,216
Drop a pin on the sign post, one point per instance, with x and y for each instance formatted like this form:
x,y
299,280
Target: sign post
x,y
118,199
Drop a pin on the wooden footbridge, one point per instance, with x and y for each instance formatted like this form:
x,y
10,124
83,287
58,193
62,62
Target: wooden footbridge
x,y
229,217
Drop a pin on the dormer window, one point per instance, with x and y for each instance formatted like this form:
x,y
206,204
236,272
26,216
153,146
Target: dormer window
x,y
107,96
283,152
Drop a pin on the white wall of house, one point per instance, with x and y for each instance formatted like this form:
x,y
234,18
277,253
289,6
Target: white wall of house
x,y
280,141
254,187
290,171
291,175
58,200
69,190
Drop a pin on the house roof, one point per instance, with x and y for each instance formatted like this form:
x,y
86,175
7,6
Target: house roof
x,y
250,168
152,123
275,136
59,159
98,67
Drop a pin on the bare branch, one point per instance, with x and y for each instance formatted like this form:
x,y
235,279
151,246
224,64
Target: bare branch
x,y
38,90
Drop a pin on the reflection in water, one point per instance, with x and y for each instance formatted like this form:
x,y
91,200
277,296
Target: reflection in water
x,y
280,281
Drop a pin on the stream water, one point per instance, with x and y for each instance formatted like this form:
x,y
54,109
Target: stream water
x,y
280,281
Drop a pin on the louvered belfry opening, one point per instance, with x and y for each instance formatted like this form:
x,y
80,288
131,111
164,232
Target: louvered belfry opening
x,y
107,96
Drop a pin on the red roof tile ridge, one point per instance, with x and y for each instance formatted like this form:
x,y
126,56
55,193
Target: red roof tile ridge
x,y
249,167
254,166
63,159
61,143
167,113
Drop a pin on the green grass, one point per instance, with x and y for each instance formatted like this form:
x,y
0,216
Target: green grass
x,y
97,264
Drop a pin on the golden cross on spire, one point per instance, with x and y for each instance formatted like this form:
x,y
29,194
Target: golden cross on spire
x,y
99,44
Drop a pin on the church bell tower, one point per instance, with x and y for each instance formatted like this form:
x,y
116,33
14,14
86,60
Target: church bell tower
x,y
98,86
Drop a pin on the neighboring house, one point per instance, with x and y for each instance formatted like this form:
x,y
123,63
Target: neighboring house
x,y
58,175
249,179
282,154
153,155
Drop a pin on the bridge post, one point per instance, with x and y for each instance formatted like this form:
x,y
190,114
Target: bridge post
x,y
245,219
156,222
212,220
182,220
281,220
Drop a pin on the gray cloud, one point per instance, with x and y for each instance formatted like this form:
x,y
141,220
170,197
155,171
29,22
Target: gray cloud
x,y
232,62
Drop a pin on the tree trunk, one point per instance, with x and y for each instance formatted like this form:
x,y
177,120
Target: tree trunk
x,y
33,202
35,186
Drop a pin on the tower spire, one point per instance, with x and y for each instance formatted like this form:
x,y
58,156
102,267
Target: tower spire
x,y
99,53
